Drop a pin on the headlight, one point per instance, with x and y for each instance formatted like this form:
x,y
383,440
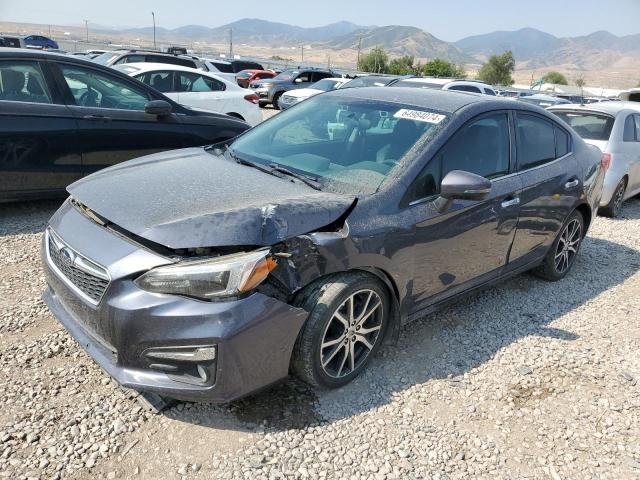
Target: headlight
x,y
224,276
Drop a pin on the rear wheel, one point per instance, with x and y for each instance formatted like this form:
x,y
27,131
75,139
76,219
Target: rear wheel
x,y
563,252
614,207
348,316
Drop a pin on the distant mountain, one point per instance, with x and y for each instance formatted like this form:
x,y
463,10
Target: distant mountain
x,y
255,31
539,49
401,40
524,43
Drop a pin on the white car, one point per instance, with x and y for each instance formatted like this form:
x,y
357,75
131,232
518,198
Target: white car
x,y
293,97
472,86
613,127
197,89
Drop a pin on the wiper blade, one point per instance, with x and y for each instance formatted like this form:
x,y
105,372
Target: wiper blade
x,y
256,165
310,181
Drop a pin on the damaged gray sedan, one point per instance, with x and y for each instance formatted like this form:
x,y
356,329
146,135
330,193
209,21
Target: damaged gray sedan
x,y
206,274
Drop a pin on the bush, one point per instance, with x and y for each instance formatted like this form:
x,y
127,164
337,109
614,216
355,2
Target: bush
x,y
376,61
442,68
556,78
498,70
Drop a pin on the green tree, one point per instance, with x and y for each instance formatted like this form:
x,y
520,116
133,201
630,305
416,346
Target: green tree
x,y
498,69
442,68
376,61
556,78
402,66
580,82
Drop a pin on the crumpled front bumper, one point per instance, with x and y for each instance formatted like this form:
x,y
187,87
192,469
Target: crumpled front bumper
x,y
254,336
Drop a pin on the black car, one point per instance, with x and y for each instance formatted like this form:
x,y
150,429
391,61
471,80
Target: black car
x,y
62,118
313,237
118,57
270,90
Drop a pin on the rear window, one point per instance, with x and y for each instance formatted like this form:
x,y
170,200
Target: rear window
x,y
223,67
414,84
590,126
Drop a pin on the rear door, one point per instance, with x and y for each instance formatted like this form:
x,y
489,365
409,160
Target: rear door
x,y
111,119
551,185
630,148
200,91
38,134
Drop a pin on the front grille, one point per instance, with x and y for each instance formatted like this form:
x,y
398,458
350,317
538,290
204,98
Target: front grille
x,y
88,278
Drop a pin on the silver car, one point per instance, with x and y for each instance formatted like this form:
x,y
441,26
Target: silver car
x,y
614,127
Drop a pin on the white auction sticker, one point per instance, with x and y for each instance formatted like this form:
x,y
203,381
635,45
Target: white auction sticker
x,y
419,116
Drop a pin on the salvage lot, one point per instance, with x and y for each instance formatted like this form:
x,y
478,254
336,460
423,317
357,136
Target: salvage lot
x,y
525,380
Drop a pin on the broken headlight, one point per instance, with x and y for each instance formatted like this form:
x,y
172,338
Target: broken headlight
x,y
224,276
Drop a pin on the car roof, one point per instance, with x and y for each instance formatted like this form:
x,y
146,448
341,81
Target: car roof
x,y
143,67
610,108
444,100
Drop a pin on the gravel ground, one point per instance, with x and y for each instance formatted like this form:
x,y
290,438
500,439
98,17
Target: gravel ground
x,y
525,380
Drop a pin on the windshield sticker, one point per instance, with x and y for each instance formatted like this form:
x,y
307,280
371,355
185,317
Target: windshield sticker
x,y
419,116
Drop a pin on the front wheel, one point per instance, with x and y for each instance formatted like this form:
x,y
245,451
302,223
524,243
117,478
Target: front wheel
x,y
614,207
276,101
348,316
563,251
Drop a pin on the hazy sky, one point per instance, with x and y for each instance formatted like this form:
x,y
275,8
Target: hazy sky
x,y
446,19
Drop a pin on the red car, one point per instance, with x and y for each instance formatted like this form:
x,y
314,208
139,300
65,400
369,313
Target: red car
x,y
245,77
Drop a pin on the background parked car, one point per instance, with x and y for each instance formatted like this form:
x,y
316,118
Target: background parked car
x,y
118,57
198,89
631,95
471,86
270,90
62,117
293,97
544,101
12,42
40,41
614,127
244,78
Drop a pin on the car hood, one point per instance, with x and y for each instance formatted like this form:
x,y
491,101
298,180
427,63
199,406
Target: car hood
x,y
303,92
191,198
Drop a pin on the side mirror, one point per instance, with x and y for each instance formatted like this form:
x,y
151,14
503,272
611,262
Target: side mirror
x,y
462,185
159,108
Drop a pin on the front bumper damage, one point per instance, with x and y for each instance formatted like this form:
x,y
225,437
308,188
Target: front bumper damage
x,y
252,337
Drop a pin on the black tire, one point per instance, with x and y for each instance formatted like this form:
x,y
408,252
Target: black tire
x,y
276,101
323,303
614,207
262,104
550,269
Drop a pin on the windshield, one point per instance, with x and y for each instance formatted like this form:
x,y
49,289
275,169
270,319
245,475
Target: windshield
x,y
325,85
367,82
349,145
286,75
590,126
105,58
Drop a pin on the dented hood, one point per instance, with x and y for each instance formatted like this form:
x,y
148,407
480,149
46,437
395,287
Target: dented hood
x,y
191,198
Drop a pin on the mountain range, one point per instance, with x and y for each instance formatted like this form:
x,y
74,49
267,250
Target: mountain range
x,y
532,48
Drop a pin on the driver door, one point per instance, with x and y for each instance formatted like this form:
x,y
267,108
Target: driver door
x,y
113,126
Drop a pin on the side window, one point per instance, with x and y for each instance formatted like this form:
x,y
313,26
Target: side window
x,y
319,76
22,81
130,59
91,88
465,88
264,75
193,82
488,91
426,184
629,134
481,147
535,141
304,77
161,81
637,119
562,142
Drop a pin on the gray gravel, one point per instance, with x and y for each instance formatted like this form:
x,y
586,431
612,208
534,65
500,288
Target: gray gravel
x,y
524,380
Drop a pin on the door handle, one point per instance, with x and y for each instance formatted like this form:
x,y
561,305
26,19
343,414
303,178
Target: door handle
x,y
510,202
96,118
571,184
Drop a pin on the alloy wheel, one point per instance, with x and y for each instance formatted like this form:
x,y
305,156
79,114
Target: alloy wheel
x,y
351,334
619,196
568,245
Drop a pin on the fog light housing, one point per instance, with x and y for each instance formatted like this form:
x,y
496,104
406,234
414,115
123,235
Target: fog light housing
x,y
194,365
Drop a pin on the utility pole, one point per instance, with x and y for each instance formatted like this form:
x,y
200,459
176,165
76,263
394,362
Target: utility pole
x,y
359,48
231,43
153,17
302,54
86,27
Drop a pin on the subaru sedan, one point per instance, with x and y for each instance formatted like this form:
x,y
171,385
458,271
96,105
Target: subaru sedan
x,y
302,246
